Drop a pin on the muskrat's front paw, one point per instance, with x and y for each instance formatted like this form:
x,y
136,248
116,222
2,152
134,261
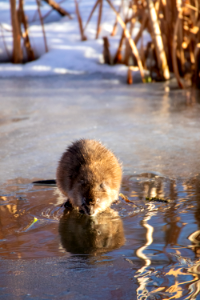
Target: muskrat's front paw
x,y
67,204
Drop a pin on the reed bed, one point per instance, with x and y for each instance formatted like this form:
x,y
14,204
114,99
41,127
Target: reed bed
x,y
175,39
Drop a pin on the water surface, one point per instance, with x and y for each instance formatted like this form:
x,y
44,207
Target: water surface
x,y
156,244
147,249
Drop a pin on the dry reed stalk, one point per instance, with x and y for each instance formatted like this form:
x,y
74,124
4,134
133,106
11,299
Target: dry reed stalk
x,y
118,55
50,11
99,18
157,6
23,20
192,59
17,55
115,24
193,15
164,27
91,13
166,12
42,24
179,49
197,65
198,34
57,7
142,53
180,39
47,14
83,37
167,48
167,28
128,51
131,42
196,9
157,38
106,51
129,76
34,17
174,58
142,28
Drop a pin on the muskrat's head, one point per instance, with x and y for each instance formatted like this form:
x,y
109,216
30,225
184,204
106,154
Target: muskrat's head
x,y
95,188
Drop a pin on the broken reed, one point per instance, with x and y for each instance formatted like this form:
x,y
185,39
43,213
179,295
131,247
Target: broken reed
x,y
173,26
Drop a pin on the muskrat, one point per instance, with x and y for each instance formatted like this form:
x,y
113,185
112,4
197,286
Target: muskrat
x,y
89,175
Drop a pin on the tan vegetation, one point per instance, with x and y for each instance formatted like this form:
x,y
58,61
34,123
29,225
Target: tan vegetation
x,y
175,46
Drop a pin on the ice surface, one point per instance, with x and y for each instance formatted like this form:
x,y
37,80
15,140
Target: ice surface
x,y
150,127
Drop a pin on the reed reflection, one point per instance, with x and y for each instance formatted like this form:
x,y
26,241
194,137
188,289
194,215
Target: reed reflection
x,y
143,276
184,273
173,224
192,187
81,234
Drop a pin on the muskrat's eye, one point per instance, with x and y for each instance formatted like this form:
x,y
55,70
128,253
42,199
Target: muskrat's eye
x,y
102,185
82,181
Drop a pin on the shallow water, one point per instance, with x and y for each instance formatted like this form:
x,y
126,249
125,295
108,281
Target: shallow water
x,y
151,249
157,243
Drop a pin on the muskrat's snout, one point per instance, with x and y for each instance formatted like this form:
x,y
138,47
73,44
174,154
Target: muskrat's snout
x,y
88,207
89,210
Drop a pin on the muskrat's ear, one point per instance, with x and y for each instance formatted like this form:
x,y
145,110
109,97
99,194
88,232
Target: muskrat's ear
x,y
104,186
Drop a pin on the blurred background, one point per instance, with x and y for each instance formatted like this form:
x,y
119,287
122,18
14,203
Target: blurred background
x,y
158,39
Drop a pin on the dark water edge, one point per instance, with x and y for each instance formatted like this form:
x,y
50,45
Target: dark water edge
x,y
151,249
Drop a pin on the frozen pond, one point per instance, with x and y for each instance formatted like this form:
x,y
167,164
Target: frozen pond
x,y
151,250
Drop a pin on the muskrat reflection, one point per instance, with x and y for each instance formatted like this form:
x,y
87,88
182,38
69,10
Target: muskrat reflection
x,y
81,234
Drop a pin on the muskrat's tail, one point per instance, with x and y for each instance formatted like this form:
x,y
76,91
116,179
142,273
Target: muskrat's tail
x,y
45,182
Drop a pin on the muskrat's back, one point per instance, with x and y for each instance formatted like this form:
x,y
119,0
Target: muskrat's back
x,y
89,175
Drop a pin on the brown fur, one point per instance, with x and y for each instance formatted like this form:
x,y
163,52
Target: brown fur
x,y
89,175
